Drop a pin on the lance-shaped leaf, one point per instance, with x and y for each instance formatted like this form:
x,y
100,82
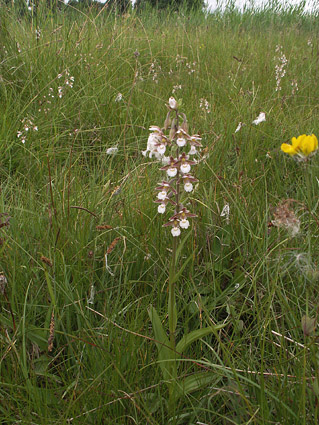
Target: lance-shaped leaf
x,y
193,336
166,356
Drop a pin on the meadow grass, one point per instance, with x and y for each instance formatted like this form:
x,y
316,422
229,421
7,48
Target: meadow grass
x,y
70,203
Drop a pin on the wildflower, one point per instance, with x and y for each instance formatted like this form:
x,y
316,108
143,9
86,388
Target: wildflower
x,y
172,103
171,168
177,87
184,223
164,189
162,204
194,143
294,87
303,146
261,117
204,105
119,97
175,231
280,67
184,163
187,180
180,141
161,146
154,140
239,126
112,151
165,160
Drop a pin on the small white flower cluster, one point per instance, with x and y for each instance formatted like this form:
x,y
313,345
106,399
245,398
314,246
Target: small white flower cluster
x,y
183,61
261,118
204,105
191,67
280,70
46,100
294,87
38,33
68,82
28,126
178,164
309,43
155,68
118,98
177,87
112,151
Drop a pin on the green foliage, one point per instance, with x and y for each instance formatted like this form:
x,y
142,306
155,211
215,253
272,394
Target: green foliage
x,y
120,6
68,202
171,4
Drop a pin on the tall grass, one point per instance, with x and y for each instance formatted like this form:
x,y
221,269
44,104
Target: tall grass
x,y
69,201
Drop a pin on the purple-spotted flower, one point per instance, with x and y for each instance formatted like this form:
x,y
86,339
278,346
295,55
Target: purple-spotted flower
x,y
164,189
184,163
171,168
162,204
175,231
177,165
188,181
156,143
194,143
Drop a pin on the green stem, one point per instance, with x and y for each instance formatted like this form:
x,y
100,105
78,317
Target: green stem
x,y
171,297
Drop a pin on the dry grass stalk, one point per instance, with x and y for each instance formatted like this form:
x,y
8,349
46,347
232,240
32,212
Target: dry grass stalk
x,y
51,334
113,245
46,260
103,227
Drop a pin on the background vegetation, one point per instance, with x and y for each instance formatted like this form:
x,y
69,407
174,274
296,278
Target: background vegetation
x,y
76,340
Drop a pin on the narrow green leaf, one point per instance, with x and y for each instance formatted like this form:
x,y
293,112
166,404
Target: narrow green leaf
x,y
197,381
162,343
189,338
181,245
180,271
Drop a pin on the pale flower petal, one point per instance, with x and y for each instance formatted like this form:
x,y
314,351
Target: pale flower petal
x,y
193,150
261,117
184,224
165,160
172,103
181,142
188,187
162,195
185,168
239,126
176,231
161,149
112,151
161,208
171,172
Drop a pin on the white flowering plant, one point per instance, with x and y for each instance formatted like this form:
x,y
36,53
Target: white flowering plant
x,y
172,192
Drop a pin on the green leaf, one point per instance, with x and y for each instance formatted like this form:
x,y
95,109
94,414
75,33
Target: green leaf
x,y
196,381
193,336
180,271
162,343
181,245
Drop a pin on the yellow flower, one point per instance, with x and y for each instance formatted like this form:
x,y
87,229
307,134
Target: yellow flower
x,y
302,146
